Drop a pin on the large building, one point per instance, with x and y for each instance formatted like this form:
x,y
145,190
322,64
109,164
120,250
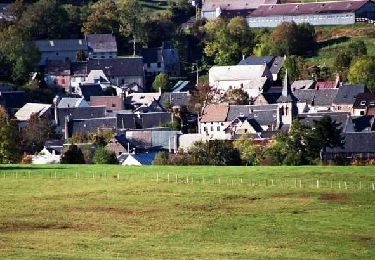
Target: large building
x,y
321,13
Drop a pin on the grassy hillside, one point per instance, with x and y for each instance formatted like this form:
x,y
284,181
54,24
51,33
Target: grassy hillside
x,y
86,212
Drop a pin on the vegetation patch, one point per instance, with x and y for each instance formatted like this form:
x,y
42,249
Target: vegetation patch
x,y
333,197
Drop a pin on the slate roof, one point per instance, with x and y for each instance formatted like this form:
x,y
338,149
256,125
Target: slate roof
x,y
91,125
215,113
166,53
24,113
101,43
308,8
360,124
339,117
142,120
142,158
175,98
274,63
119,67
356,143
302,84
13,99
58,67
80,113
70,102
89,90
78,68
364,100
56,45
126,121
305,95
314,97
264,115
347,93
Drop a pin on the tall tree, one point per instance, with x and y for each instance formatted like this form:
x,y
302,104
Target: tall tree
x,y
161,82
363,71
102,18
103,156
9,143
227,42
236,97
248,150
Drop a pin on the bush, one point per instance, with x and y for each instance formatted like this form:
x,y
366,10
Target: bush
x,y
103,156
73,155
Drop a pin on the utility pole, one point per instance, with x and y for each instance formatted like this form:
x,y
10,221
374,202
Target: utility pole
x,y
196,64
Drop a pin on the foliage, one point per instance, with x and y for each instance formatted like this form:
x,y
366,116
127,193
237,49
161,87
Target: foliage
x,y
288,38
161,158
73,155
226,42
9,145
159,28
129,17
363,71
102,18
37,131
100,138
103,156
247,149
236,97
297,68
161,82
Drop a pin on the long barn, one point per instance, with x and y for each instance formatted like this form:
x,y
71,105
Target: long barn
x,y
322,13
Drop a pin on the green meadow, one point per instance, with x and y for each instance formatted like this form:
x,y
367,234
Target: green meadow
x,y
114,212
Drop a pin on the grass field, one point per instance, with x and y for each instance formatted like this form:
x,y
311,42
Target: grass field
x,y
114,212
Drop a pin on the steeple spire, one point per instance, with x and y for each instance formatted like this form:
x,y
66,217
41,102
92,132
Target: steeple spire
x,y
286,89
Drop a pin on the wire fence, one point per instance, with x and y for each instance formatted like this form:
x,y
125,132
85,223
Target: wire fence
x,y
195,179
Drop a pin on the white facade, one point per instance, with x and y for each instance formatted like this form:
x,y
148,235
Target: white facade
x,y
46,157
214,130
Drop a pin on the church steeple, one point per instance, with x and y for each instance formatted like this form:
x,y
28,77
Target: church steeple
x,y
286,88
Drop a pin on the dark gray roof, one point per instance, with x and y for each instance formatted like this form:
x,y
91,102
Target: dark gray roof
x,y
91,125
175,98
339,117
305,95
125,67
12,99
274,63
142,158
126,121
347,93
360,124
264,115
166,53
356,143
101,43
368,100
78,68
90,90
80,113
61,45
142,120
316,97
57,67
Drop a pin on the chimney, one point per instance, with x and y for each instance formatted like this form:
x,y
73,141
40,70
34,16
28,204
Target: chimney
x,y
56,102
243,56
66,127
338,80
159,90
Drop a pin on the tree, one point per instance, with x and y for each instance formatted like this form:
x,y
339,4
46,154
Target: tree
x,y
9,145
73,155
297,68
248,150
227,42
161,82
37,131
129,17
236,97
103,156
363,71
102,18
162,158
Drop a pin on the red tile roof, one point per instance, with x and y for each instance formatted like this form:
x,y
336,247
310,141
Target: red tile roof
x,y
308,8
325,84
215,113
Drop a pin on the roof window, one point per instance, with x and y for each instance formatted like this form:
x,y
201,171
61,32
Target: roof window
x,y
363,103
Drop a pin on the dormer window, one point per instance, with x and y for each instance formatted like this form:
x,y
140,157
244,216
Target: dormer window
x,y
363,103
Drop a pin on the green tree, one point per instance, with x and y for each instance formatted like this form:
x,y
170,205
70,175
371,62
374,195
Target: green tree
x,y
297,68
130,21
103,156
248,150
73,155
9,141
102,18
162,158
363,71
161,82
37,131
227,42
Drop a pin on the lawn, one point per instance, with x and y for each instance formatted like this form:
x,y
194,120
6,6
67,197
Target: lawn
x,y
114,212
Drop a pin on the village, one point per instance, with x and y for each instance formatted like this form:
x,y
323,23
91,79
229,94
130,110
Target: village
x,y
138,105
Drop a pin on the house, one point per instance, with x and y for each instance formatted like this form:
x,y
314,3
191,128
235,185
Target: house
x,y
213,9
57,73
137,159
120,71
273,63
89,125
60,49
25,112
355,146
97,77
317,13
315,100
346,96
154,139
139,120
162,59
143,102
252,79
112,103
309,119
303,84
101,46
12,100
47,156
361,124
78,75
71,102
174,99
364,104
213,121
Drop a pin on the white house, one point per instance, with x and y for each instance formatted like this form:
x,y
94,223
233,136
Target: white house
x,y
138,159
252,79
46,156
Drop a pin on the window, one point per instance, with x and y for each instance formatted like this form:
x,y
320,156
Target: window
x,y
148,65
62,81
57,54
212,128
159,65
363,103
73,79
205,129
362,113
113,105
218,128
103,57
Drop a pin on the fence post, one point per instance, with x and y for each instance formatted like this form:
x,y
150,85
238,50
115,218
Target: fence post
x,y
157,177
373,187
219,181
300,183
241,180
187,179
272,182
176,179
317,184
339,185
118,176
203,179
168,177
346,187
